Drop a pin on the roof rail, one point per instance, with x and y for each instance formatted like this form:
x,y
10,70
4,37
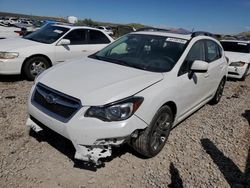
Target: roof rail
x,y
202,33
153,29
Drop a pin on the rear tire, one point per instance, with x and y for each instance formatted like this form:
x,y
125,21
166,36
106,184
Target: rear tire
x,y
151,141
34,66
217,97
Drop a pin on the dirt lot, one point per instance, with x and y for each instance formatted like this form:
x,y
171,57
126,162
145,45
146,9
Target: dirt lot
x,y
209,149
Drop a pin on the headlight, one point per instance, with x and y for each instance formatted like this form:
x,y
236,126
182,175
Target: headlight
x,y
237,64
116,111
8,55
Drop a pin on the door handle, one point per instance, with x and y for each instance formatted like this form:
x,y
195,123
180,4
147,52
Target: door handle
x,y
84,50
206,75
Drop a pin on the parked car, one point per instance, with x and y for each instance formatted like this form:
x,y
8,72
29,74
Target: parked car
x,y
106,29
132,91
11,21
238,53
48,46
27,29
23,24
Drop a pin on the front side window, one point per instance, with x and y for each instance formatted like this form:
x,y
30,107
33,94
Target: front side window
x,y
147,52
213,51
197,52
47,34
97,37
77,37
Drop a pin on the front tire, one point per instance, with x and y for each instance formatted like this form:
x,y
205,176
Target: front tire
x,y
151,141
34,66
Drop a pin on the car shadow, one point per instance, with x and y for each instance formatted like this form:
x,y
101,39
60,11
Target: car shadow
x,y
11,78
234,80
176,180
65,146
228,168
246,115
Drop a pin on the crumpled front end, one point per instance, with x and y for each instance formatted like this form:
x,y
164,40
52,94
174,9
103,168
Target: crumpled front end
x,y
91,137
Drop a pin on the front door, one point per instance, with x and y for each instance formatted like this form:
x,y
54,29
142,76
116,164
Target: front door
x,y
76,48
193,87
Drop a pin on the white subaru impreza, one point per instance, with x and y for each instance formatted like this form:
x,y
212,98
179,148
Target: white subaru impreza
x,y
132,91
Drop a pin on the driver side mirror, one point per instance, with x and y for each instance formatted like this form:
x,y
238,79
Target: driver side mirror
x,y
63,42
199,66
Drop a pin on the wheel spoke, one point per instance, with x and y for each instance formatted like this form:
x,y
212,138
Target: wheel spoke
x,y
33,72
161,131
37,67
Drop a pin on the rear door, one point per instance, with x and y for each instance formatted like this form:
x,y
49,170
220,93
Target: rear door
x,y
217,65
96,41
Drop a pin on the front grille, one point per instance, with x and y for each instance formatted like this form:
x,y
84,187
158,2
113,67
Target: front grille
x,y
54,103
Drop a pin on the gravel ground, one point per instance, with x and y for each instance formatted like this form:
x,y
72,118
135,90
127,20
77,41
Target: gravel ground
x,y
209,149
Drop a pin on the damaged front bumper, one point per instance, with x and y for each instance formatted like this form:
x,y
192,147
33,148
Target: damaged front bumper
x,y
236,72
100,149
91,137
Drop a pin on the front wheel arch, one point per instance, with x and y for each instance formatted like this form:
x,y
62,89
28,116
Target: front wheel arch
x,y
143,142
35,55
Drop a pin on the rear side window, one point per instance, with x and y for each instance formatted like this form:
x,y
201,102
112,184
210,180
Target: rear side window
x,y
197,52
77,37
213,51
97,37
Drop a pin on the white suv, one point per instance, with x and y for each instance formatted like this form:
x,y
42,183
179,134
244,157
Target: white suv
x,y
238,53
132,91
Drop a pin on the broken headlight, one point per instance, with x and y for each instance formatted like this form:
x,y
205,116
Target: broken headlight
x,y
116,111
237,64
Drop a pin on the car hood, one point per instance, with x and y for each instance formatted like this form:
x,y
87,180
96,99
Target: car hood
x,y
13,44
235,56
97,82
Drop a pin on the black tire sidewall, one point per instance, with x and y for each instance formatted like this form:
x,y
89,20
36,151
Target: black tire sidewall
x,y
218,90
215,99
153,126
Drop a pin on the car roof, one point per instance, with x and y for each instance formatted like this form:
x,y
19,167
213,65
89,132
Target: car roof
x,y
237,41
166,34
74,27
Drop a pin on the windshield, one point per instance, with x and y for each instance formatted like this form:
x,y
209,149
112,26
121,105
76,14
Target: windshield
x,y
240,47
147,52
47,34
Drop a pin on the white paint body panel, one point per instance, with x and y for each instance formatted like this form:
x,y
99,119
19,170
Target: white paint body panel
x,y
235,57
96,82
